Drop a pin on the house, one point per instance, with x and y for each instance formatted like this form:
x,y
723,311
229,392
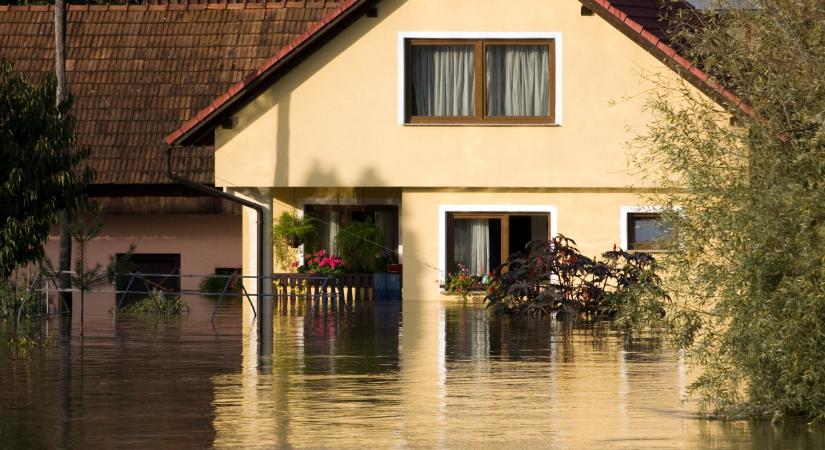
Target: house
x,y
137,71
472,127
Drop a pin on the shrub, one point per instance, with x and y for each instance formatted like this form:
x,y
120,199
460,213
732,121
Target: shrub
x,y
553,276
360,245
214,284
158,303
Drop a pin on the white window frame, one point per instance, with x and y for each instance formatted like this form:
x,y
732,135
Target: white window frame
x,y
444,209
403,36
624,215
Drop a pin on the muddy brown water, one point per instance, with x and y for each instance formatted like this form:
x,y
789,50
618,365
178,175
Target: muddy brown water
x,y
437,375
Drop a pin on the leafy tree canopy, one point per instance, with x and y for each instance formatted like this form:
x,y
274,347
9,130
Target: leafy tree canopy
x,y
747,187
38,178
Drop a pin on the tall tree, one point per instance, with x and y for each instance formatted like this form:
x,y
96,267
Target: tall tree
x,y
65,245
747,187
38,179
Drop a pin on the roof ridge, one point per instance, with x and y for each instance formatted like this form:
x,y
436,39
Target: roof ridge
x,y
184,5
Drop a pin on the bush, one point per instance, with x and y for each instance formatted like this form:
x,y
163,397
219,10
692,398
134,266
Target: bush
x,y
552,276
360,244
214,284
158,303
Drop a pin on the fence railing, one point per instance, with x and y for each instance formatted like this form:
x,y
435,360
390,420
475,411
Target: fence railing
x,y
347,287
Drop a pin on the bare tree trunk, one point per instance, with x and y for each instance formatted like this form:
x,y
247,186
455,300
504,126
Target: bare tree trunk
x,y
65,256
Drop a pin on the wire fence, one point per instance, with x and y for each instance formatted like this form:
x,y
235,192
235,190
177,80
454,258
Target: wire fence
x,y
316,290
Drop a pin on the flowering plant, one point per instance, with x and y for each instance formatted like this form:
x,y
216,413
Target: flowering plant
x,y
322,263
463,283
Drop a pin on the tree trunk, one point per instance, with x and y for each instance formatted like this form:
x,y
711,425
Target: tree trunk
x,y
65,255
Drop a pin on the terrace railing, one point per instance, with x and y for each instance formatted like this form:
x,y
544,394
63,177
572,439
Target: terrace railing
x,y
347,288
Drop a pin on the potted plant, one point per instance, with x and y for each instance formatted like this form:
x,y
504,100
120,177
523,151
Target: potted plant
x,y
293,230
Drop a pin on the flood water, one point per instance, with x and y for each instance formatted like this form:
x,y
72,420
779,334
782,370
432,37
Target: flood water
x,y
437,375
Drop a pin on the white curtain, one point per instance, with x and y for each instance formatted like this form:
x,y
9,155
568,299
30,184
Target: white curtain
x,y
471,244
518,80
443,79
327,227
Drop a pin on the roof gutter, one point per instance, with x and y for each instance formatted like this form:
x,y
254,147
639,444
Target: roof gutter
x,y
259,210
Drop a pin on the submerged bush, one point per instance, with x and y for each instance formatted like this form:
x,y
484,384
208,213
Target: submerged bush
x,y
158,303
552,276
214,284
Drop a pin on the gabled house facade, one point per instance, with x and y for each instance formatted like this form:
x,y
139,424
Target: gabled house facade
x,y
135,72
465,129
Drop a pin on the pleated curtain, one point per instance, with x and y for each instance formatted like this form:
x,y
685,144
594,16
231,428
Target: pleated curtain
x,y
471,244
444,80
518,80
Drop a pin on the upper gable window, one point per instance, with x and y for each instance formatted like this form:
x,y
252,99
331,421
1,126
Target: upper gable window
x,y
486,81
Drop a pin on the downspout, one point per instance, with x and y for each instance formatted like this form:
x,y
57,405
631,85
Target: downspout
x,y
219,193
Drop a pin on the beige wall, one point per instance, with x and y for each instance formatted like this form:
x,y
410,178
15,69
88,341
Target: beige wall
x,y
203,241
590,217
332,121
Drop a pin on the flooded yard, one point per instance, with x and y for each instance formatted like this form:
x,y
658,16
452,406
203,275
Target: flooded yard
x,y
433,375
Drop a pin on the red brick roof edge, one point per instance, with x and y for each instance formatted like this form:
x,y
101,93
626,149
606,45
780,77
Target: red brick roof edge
x,y
238,88
184,5
667,52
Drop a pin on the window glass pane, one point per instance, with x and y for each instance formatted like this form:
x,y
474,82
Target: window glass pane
x,y
471,245
648,232
443,80
518,80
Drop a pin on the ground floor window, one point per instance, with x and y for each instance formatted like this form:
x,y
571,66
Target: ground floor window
x,y
157,271
331,218
646,231
482,241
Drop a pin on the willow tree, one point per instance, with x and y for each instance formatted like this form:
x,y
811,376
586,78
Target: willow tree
x,y
38,179
746,184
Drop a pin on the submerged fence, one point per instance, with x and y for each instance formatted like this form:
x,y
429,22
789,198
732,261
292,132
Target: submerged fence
x,y
313,290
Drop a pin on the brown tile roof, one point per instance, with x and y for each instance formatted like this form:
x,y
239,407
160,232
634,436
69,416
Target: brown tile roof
x,y
138,71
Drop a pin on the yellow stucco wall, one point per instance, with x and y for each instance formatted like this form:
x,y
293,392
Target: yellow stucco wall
x,y
333,120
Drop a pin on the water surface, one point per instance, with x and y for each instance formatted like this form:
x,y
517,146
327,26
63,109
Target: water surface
x,y
436,375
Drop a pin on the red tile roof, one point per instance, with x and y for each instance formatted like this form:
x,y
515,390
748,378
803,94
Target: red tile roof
x,y
138,71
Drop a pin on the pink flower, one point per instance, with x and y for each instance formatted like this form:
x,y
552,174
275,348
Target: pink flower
x,y
322,252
